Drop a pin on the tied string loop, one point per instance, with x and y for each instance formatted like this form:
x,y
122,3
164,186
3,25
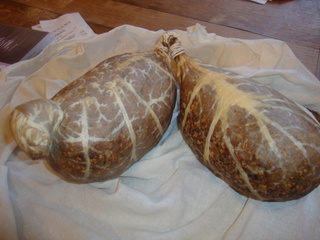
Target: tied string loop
x,y
176,49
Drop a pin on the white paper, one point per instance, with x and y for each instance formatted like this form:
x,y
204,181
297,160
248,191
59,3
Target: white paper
x,y
167,194
260,1
66,27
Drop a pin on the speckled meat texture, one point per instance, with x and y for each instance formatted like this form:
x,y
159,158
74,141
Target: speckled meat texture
x,y
99,125
252,137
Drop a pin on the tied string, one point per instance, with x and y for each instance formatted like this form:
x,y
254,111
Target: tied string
x,y
176,49
168,47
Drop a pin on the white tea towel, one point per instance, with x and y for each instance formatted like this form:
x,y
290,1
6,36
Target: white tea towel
x,y
166,195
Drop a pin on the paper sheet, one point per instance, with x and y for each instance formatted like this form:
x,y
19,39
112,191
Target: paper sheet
x,y
68,26
260,1
166,195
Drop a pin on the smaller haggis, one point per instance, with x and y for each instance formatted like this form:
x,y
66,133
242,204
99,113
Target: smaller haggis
x,y
95,128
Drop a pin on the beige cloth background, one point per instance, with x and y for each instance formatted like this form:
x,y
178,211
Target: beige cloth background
x,y
166,195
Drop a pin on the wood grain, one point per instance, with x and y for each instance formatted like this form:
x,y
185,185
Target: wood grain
x,y
27,15
285,20
21,15
296,22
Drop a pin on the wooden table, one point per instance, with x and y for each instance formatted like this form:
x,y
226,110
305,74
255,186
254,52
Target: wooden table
x,y
295,21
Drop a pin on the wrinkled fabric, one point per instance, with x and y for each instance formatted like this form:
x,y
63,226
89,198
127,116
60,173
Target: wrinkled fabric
x,y
168,194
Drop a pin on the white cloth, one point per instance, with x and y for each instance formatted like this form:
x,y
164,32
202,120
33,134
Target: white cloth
x,y
166,195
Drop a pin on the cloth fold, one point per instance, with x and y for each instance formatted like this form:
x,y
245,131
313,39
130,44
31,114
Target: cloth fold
x,y
168,194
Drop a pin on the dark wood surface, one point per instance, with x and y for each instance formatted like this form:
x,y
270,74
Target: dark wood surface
x,y
19,43
296,22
